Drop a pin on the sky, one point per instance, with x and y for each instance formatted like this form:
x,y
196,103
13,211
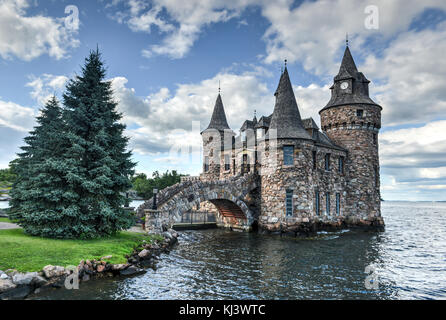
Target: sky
x,y
166,58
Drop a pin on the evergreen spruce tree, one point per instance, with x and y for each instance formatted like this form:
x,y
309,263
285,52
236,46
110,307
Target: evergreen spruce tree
x,y
38,195
98,167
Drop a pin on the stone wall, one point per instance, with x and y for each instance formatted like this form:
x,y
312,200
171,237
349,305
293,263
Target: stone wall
x,y
359,135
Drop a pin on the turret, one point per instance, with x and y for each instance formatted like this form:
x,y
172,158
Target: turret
x,y
216,137
352,120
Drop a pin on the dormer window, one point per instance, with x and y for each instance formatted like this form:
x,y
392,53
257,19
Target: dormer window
x,y
243,133
359,113
259,133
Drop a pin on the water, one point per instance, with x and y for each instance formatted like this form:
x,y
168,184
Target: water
x,y
409,257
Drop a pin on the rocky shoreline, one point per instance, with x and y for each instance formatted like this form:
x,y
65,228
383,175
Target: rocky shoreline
x,y
17,285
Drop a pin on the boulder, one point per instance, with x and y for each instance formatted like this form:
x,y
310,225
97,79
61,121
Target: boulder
x,y
144,254
24,278
107,257
39,281
131,270
6,284
53,271
119,267
100,268
4,276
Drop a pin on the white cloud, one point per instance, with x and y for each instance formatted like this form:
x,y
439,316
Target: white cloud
x,y
414,159
28,37
16,117
45,86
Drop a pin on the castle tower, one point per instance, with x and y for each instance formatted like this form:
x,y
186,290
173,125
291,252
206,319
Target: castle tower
x,y
352,120
285,161
215,137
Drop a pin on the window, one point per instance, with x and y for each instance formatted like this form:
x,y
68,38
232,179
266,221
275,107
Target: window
x,y
375,140
259,133
360,113
227,163
327,162
341,165
289,202
246,166
318,206
376,177
338,204
243,136
314,160
327,203
206,164
288,155
233,166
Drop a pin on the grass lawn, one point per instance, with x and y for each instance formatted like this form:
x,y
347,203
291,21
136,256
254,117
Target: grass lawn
x,y
5,220
26,253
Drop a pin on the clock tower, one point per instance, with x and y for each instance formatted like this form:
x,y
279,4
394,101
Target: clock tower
x,y
352,120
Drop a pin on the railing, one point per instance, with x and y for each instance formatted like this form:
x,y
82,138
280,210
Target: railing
x,y
190,178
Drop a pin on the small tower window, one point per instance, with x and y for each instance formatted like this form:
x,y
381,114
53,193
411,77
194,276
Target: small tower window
x,y
288,155
341,165
289,202
338,204
327,162
233,166
327,203
314,160
360,113
206,164
375,140
317,200
227,163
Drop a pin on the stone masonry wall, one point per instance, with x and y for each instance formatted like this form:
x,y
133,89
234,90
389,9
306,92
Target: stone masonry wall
x,y
359,135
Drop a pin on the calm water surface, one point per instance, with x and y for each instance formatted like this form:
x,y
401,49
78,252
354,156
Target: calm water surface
x,y
409,257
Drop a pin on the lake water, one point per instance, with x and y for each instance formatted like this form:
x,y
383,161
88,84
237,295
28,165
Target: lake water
x,y
409,260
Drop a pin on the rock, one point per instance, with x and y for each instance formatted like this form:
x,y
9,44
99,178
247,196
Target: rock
x,y
167,235
100,268
144,254
85,278
39,281
6,284
119,267
4,276
53,271
19,292
131,270
107,257
24,278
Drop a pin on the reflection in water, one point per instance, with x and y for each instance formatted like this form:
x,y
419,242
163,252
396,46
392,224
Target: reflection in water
x,y
410,261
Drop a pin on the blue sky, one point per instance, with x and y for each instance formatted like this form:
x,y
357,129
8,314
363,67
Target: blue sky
x,y
166,57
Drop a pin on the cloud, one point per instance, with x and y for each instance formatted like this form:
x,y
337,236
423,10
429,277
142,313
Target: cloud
x,y
45,86
414,159
154,121
28,37
411,76
16,117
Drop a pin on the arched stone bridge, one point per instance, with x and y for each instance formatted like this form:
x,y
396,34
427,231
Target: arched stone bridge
x,y
229,196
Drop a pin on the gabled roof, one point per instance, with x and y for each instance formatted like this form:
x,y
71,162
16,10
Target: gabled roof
x,y
264,122
218,120
286,117
310,124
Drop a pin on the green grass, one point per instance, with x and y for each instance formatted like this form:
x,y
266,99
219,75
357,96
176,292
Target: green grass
x,y
26,253
5,220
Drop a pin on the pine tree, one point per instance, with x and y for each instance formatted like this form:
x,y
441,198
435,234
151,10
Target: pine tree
x,y
38,194
98,167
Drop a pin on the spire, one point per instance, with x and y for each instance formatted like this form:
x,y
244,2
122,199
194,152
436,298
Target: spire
x,y
286,117
356,85
348,67
218,120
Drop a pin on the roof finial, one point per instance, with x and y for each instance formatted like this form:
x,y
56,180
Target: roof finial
x,y
219,89
255,113
346,39
285,62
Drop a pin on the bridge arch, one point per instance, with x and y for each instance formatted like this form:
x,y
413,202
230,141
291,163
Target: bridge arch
x,y
228,196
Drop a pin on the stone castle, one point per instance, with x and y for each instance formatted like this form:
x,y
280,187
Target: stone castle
x,y
282,173
307,177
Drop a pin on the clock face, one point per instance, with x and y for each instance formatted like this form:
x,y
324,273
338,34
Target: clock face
x,y
344,85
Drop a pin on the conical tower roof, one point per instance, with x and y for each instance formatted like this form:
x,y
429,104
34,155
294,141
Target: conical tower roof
x,y
286,117
218,120
348,67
